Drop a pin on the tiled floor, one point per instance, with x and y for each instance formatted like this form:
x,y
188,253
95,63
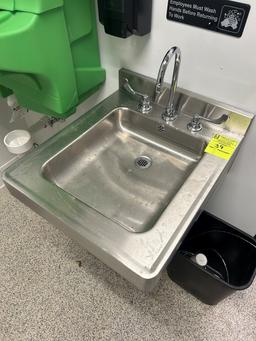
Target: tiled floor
x,y
46,295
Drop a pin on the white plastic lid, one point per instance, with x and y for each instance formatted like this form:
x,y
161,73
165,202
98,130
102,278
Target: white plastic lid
x,y
201,259
18,141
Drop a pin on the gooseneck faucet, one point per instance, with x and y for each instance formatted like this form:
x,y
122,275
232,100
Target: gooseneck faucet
x,y
170,112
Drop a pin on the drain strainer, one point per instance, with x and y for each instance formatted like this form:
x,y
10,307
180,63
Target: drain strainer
x,y
143,162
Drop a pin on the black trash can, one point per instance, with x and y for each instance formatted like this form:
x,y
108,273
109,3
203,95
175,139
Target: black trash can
x,y
230,256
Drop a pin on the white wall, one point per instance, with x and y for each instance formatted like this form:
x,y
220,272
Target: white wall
x,y
214,65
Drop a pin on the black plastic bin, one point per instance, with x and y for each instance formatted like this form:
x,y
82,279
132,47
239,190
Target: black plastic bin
x,y
231,256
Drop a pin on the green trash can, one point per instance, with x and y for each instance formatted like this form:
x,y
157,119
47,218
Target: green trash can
x,y
49,53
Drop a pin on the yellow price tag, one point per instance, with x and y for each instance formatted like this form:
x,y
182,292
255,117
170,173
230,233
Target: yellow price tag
x,y
221,146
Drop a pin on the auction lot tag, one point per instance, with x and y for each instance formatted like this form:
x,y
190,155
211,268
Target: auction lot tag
x,y
221,146
222,16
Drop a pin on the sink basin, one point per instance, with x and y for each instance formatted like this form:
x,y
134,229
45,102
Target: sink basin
x,y
126,167
127,186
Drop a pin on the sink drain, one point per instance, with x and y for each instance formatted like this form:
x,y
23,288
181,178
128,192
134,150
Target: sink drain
x,y
143,162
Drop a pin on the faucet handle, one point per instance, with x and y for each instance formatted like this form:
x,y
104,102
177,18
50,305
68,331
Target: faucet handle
x,y
195,125
144,100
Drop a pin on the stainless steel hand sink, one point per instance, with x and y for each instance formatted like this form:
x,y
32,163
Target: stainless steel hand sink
x,y
125,185
126,167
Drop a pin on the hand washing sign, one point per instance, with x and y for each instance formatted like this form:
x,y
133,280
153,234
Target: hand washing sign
x,y
221,16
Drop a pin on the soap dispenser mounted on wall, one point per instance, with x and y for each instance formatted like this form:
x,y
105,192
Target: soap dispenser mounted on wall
x,y
122,18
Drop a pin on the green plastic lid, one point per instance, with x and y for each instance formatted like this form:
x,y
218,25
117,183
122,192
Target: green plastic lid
x,y
7,5
32,6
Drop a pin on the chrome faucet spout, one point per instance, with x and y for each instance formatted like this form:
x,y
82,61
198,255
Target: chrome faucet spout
x,y
170,113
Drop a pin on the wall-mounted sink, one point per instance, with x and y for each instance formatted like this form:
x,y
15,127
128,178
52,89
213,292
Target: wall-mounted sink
x,y
126,185
127,167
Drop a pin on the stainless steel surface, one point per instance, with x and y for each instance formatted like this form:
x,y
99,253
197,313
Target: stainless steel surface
x,y
143,162
108,139
99,168
195,125
144,105
170,112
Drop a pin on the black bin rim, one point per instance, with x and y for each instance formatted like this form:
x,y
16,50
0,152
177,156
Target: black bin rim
x,y
251,241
